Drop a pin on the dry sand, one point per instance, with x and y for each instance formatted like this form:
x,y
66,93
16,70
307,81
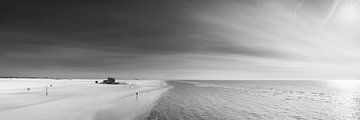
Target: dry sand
x,y
76,99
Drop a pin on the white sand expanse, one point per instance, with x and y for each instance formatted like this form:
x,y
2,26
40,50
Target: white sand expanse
x,y
76,99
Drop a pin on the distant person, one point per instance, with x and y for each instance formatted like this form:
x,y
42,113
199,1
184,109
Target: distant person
x,y
137,95
28,89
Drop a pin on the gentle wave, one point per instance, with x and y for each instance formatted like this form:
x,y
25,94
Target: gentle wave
x,y
233,100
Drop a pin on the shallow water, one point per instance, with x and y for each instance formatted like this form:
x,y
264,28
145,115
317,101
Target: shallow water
x,y
254,100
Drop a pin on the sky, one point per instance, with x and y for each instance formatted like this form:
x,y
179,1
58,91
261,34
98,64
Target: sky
x,y
180,39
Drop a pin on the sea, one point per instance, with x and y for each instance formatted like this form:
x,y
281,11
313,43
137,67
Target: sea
x,y
259,100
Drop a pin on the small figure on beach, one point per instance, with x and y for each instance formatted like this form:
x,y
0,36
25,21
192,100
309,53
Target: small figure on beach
x,y
137,95
28,89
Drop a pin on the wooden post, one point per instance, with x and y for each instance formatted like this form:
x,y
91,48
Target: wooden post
x,y
46,90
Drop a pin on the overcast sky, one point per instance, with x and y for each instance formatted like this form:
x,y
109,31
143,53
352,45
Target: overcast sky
x,y
179,39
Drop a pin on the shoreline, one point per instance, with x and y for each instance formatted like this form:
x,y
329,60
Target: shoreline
x,y
77,99
147,112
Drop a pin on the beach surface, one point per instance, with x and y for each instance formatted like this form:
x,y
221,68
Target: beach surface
x,y
77,99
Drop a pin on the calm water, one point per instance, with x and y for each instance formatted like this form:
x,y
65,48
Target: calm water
x,y
254,100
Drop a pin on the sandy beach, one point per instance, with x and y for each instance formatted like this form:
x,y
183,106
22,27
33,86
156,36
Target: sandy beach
x,y
77,99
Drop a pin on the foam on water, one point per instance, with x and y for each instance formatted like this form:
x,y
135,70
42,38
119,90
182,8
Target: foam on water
x,y
233,100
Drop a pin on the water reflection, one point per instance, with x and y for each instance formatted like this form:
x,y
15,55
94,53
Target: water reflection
x,y
345,85
346,104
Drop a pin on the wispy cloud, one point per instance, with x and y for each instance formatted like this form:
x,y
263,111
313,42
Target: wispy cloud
x,y
249,39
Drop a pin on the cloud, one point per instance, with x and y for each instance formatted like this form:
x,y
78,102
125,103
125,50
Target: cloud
x,y
249,39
